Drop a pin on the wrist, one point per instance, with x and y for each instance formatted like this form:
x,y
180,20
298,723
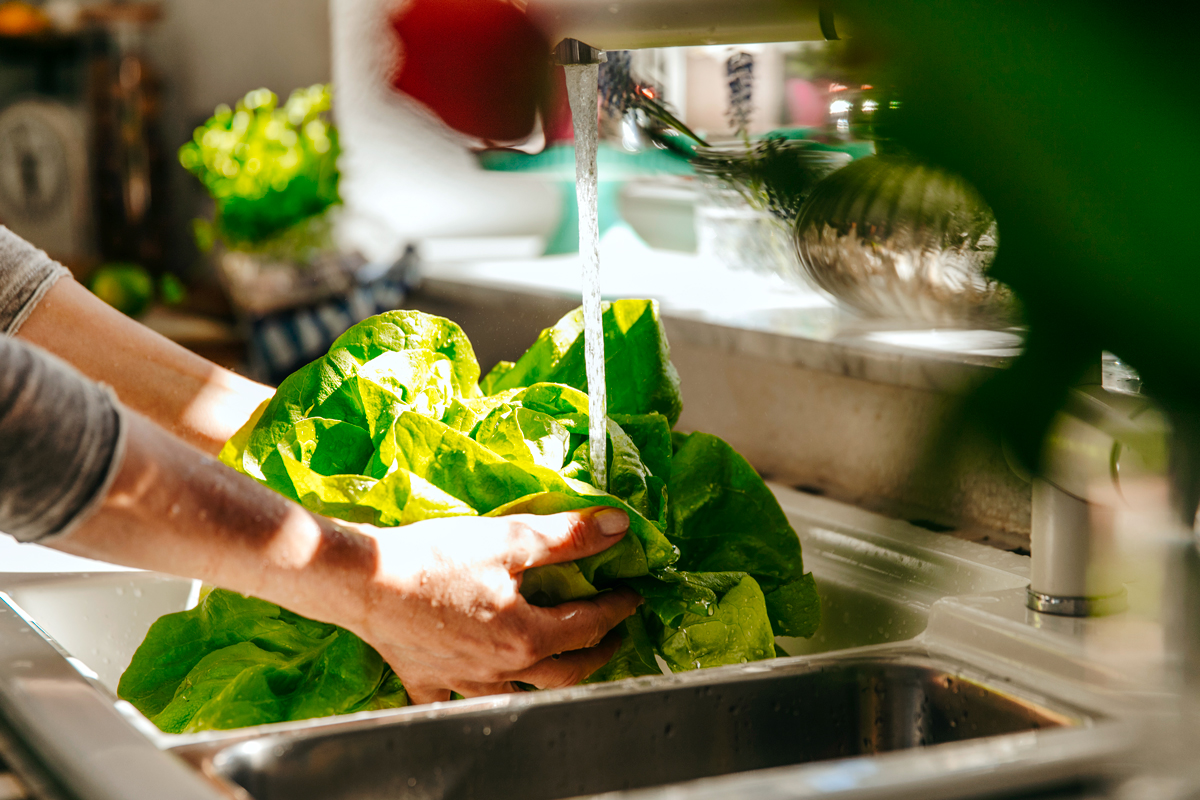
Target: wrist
x,y
322,569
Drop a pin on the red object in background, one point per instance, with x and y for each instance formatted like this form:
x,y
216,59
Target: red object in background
x,y
556,117
807,105
480,65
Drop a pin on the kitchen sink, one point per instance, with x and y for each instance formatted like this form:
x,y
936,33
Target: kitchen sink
x,y
896,690
640,734
877,579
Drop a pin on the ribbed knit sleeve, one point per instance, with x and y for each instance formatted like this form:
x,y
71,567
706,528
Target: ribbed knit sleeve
x,y
26,274
61,435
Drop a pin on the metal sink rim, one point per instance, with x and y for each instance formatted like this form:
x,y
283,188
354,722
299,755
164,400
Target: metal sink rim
x,y
212,755
909,651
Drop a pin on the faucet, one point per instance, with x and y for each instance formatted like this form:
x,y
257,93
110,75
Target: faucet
x,y
572,52
1098,440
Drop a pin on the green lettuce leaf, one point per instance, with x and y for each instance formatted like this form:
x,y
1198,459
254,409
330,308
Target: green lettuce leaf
x,y
390,427
734,629
640,375
556,583
451,461
651,435
723,518
524,435
314,384
635,656
234,661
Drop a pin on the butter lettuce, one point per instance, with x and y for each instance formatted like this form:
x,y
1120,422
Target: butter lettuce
x,y
640,375
235,661
393,426
724,518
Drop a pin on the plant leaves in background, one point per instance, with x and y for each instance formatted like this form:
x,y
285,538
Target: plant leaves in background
x,y
268,168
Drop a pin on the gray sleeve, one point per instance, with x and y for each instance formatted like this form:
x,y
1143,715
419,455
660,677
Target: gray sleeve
x,y
62,440
26,274
61,436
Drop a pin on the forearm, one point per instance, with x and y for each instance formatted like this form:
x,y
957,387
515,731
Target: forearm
x,y
173,509
193,398
439,601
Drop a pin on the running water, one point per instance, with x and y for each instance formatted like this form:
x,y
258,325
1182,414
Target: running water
x,y
582,82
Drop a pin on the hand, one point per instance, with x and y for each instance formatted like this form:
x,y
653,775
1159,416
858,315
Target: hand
x,y
439,599
445,610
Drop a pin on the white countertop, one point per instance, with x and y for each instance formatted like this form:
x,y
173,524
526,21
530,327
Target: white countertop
x,y
17,557
759,314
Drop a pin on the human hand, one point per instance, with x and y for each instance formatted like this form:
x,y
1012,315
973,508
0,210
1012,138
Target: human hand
x,y
444,607
439,599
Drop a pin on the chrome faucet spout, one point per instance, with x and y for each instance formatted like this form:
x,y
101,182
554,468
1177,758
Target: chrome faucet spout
x,y
571,52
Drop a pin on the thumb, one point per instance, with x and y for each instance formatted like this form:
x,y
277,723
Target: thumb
x,y
535,541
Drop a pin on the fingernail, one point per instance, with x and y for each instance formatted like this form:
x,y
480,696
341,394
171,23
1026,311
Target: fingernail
x,y
611,521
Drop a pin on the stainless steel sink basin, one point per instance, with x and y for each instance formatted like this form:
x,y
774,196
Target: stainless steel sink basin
x,y
885,702
639,734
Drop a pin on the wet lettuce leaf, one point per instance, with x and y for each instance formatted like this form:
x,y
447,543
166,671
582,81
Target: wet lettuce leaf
x,y
392,426
640,375
731,629
235,661
635,658
724,518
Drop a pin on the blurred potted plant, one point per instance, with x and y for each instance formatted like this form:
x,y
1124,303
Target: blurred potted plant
x,y
271,171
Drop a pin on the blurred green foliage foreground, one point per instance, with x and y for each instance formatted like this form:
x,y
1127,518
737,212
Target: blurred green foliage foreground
x,y
1077,122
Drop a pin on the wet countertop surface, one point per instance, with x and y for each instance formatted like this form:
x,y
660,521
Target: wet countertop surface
x,y
760,315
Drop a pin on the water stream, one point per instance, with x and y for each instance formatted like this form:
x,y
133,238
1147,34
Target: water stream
x,y
582,82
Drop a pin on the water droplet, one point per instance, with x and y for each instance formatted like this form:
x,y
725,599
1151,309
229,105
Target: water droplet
x,y
412,781
120,591
174,510
488,731
136,593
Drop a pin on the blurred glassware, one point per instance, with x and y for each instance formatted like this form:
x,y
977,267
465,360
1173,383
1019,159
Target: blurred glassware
x,y
734,233
896,239
749,196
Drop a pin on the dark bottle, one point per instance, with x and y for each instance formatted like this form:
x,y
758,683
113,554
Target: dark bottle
x,y
129,161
